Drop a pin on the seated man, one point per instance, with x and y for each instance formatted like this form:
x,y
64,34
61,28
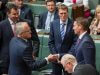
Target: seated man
x,y
49,16
70,64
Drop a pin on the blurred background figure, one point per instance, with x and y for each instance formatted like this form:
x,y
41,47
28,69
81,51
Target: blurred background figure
x,y
95,24
70,65
24,11
3,9
80,8
47,17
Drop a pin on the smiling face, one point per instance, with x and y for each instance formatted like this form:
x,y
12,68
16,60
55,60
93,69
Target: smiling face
x,y
13,14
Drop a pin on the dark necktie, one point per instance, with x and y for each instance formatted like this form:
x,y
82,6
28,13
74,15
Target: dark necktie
x,y
78,41
14,29
62,31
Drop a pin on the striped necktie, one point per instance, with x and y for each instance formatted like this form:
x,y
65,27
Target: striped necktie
x,y
62,31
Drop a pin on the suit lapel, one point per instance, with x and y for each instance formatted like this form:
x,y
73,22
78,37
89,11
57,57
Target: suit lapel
x,y
80,43
44,19
9,27
57,27
22,15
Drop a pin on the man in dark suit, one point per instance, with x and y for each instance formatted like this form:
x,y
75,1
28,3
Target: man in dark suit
x,y
70,65
26,13
61,36
3,9
49,16
21,60
84,50
7,31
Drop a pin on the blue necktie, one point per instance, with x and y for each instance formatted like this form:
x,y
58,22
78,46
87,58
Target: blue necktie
x,y
48,21
62,31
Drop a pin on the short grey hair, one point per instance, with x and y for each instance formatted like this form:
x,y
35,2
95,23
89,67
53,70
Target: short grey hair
x,y
20,27
68,58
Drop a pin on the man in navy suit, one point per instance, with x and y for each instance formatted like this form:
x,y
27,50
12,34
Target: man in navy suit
x,y
7,31
84,50
21,60
71,65
60,40
44,21
26,13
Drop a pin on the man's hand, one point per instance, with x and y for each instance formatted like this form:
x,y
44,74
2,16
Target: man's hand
x,y
52,58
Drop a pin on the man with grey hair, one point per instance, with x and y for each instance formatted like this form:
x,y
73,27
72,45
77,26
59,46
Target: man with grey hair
x,y
70,65
21,59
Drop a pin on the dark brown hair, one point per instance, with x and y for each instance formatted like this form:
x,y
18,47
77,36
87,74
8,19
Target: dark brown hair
x,y
83,22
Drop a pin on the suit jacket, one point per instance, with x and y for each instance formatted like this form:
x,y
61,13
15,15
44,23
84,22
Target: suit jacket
x,y
85,50
26,13
6,34
85,69
43,18
21,60
56,44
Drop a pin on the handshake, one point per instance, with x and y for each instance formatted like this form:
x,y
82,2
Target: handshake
x,y
53,58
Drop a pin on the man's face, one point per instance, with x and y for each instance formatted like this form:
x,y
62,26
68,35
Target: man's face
x,y
13,15
63,14
76,28
18,3
68,67
51,6
26,32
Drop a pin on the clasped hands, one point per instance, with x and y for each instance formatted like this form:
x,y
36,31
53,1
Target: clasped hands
x,y
53,58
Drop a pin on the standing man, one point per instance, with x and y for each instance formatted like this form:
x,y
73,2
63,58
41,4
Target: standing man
x,y
61,36
70,65
21,60
49,16
84,50
7,31
26,13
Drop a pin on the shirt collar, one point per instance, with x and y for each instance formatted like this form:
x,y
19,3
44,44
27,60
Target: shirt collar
x,y
74,67
63,22
49,13
11,22
80,36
